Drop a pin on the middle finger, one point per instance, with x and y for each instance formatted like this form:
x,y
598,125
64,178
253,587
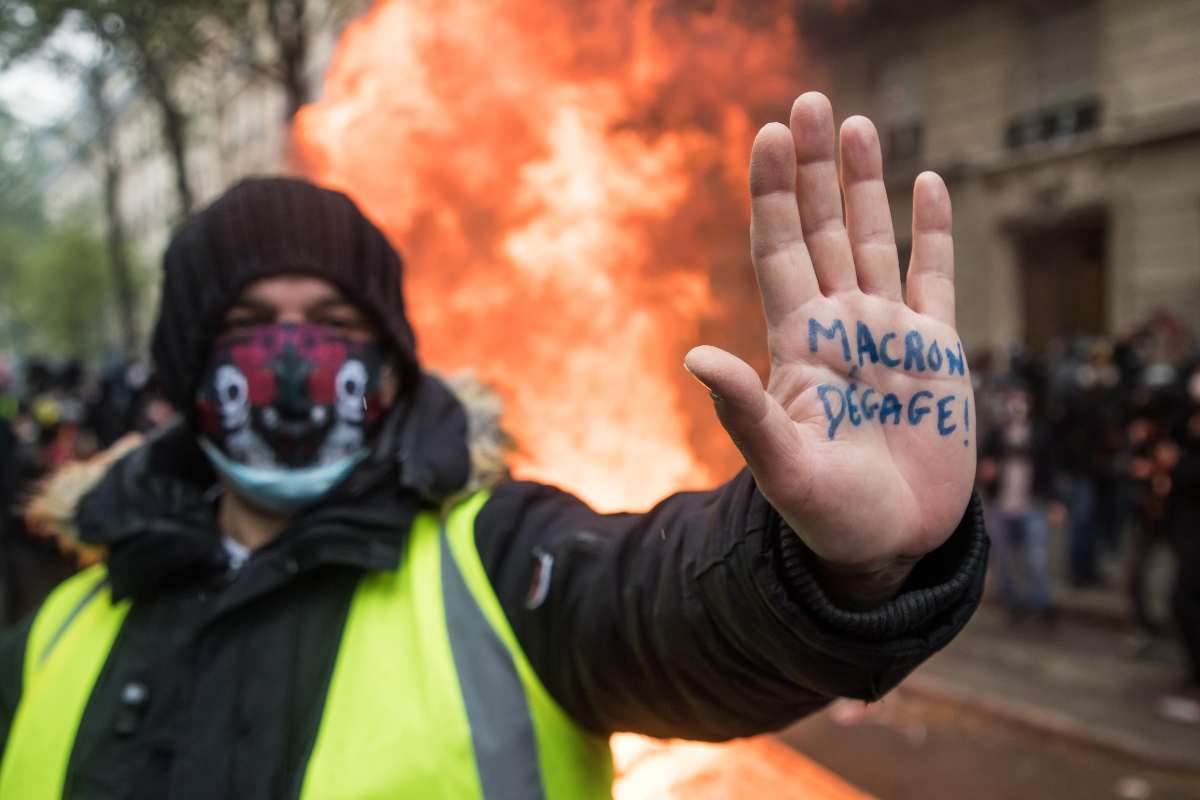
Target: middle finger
x,y
817,193
868,217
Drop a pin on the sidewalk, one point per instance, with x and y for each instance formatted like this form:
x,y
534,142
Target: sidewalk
x,y
1094,677
1027,709
1092,683
1006,711
1109,605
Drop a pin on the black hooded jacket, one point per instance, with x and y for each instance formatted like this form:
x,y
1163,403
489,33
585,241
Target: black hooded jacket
x,y
697,619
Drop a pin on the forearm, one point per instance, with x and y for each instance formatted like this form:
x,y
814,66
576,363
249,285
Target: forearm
x,y
625,637
697,619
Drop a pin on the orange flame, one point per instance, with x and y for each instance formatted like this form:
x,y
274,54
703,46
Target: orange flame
x,y
567,181
754,769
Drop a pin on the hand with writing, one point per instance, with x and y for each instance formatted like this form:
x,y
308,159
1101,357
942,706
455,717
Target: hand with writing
x,y
863,439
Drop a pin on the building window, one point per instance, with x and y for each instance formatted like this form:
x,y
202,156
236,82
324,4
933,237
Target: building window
x,y
1061,57
900,108
1058,94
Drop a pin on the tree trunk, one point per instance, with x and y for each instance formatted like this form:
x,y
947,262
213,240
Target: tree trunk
x,y
118,256
289,28
174,131
118,251
295,86
289,32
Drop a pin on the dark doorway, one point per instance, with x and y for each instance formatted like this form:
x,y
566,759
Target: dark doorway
x,y
1064,279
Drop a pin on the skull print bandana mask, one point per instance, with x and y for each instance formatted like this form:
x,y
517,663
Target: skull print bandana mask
x,y
286,411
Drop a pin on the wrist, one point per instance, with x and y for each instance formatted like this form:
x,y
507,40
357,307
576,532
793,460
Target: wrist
x,y
945,579
859,587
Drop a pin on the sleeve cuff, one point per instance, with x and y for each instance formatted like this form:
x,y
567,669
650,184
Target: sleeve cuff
x,y
948,579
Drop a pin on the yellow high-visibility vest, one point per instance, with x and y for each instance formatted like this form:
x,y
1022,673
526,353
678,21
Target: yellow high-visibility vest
x,y
430,696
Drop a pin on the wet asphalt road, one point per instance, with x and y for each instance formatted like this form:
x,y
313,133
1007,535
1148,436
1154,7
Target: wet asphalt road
x,y
913,748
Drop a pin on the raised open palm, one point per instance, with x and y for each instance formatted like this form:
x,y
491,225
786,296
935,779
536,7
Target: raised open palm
x,y
863,439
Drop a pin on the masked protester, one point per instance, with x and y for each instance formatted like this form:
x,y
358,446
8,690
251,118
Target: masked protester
x,y
310,588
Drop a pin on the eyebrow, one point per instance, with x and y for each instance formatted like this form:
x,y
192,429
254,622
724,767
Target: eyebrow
x,y
331,301
251,304
327,301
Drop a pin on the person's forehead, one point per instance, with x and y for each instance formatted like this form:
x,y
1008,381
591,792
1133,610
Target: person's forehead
x,y
291,291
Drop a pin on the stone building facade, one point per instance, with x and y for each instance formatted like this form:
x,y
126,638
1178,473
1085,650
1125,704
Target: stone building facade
x,y
1068,131
1069,134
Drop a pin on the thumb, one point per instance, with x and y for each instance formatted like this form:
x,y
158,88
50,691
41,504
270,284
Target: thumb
x,y
757,424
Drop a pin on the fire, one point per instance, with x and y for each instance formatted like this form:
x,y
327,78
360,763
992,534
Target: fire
x,y
757,768
567,183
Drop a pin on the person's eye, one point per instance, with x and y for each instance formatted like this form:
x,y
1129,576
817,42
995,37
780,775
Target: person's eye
x,y
340,323
237,323
240,323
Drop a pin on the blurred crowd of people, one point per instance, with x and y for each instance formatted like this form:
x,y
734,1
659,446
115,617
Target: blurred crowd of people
x,y
51,414
1099,440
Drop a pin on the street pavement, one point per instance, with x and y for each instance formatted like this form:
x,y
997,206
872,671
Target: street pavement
x,y
1021,710
1092,682
913,748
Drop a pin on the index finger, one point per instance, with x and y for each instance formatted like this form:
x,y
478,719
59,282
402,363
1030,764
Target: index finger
x,y
781,260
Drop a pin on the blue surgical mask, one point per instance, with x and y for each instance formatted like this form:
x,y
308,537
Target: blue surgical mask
x,y
282,490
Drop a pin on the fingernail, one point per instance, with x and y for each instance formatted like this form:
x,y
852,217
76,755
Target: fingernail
x,y
711,393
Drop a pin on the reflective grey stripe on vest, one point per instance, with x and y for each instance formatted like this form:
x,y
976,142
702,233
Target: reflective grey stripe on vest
x,y
69,618
502,735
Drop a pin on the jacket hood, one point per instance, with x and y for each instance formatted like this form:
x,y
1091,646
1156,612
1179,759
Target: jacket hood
x,y
147,503
259,228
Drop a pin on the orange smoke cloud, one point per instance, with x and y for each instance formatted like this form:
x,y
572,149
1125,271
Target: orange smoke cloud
x,y
567,183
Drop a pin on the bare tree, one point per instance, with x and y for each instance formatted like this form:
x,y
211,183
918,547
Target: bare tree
x,y
156,42
95,79
275,39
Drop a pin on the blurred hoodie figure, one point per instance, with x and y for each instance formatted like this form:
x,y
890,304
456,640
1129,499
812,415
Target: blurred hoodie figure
x,y
1153,407
1016,474
1088,446
1183,525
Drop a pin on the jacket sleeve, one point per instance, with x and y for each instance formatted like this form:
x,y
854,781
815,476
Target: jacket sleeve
x,y
701,619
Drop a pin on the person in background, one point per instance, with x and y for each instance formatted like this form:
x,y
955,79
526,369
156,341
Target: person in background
x,y
1088,443
113,409
1152,410
31,565
1181,485
1016,474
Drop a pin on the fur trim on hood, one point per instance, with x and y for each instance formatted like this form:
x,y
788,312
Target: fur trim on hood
x,y
51,510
